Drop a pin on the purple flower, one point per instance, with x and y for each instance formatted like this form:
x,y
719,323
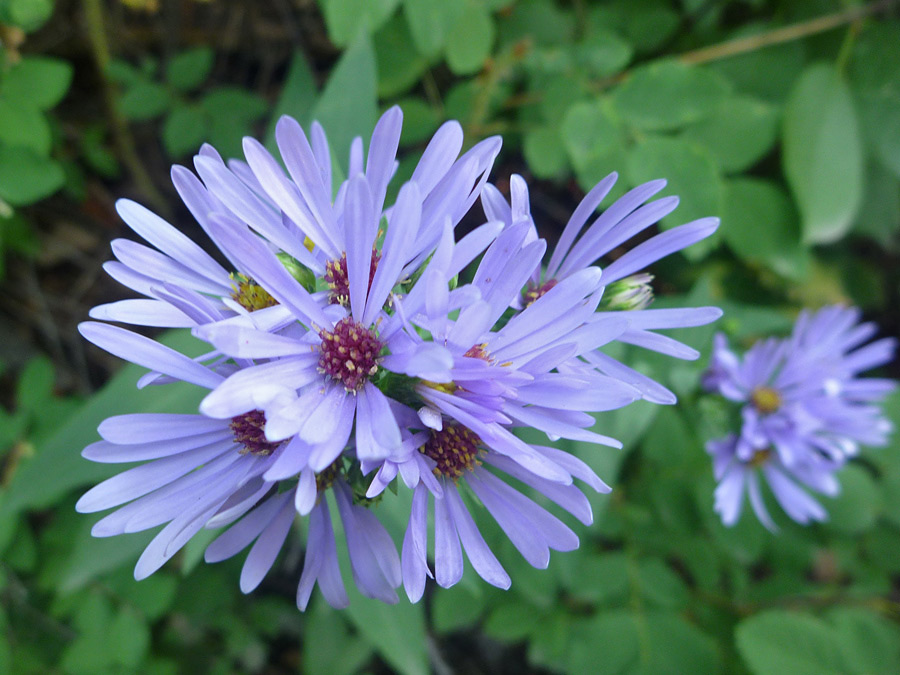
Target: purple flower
x,y
579,247
804,412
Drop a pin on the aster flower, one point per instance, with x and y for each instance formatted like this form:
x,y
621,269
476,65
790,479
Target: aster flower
x,y
627,287
804,412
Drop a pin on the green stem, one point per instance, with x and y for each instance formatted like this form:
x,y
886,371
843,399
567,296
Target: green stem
x,y
93,13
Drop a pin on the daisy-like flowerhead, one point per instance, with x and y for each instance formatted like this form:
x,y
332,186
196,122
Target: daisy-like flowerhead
x,y
804,412
626,284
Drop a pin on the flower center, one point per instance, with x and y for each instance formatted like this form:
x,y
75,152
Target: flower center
x,y
765,399
454,448
249,431
534,293
337,279
349,353
478,351
250,295
759,458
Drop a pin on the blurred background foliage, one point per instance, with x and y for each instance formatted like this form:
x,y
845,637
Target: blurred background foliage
x,y
783,118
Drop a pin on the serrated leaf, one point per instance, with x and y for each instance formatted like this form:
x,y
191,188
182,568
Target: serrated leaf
x,y
348,104
779,641
759,224
38,81
26,177
822,154
190,68
184,130
470,39
345,18
668,95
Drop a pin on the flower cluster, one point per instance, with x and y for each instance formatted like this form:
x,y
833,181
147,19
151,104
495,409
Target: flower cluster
x,y
345,357
804,413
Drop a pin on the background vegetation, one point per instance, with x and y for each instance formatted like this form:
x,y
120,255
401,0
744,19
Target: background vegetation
x,y
781,117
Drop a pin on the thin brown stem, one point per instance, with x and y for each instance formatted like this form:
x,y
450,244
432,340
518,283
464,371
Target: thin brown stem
x,y
93,13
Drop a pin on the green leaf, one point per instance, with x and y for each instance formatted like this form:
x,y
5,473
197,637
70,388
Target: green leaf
x,y
740,132
778,641
470,39
869,643
879,216
329,648
58,467
128,638
545,152
396,632
191,68
345,18
234,103
420,121
668,95
759,224
880,119
184,130
400,65
601,578
348,105
297,97
430,21
512,620
858,505
92,557
822,154
26,177
24,125
603,53
660,586
144,101
618,634
594,142
691,173
29,15
456,607
539,22
39,81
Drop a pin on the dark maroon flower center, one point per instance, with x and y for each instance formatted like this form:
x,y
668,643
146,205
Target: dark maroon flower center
x,y
349,353
534,292
249,432
454,448
337,279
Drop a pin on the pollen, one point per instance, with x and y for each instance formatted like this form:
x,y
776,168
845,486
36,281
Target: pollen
x,y
760,457
338,281
765,399
533,292
349,354
455,449
250,295
478,351
249,432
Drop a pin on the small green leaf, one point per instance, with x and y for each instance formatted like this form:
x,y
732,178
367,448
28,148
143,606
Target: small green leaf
x,y
26,177
545,152
470,40
329,648
234,103
858,505
456,608
668,95
29,15
190,69
400,65
740,132
348,104
594,142
691,173
430,21
396,632
39,81
868,642
823,154
184,130
128,638
759,223
345,18
778,641
603,54
420,121
144,101
24,125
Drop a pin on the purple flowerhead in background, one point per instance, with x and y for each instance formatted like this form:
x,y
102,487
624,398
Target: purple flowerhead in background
x,y
804,412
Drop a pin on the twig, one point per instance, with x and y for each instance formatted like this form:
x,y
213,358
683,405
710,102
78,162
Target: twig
x,y
93,13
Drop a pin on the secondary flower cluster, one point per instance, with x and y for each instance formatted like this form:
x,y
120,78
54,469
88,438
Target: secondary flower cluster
x,y
345,357
804,413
